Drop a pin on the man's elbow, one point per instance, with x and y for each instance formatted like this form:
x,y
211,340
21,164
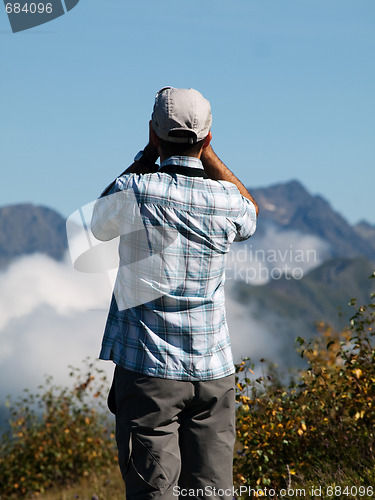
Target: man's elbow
x,y
256,207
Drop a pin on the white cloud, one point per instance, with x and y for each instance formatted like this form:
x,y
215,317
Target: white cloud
x,y
37,280
51,316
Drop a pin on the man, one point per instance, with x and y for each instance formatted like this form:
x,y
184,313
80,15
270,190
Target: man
x,y
173,389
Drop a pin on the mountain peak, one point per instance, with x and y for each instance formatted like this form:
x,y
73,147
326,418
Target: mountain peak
x,y
289,206
280,202
26,229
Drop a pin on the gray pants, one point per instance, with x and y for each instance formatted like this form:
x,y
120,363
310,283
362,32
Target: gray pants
x,y
175,438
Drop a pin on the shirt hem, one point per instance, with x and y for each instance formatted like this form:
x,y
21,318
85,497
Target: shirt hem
x,y
196,377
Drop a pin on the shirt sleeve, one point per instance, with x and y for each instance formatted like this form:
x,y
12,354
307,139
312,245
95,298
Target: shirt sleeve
x,y
246,221
104,221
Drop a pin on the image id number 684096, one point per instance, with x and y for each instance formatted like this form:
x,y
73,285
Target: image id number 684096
x,y
29,8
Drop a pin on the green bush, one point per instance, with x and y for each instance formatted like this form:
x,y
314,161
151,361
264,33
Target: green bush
x,y
57,435
322,421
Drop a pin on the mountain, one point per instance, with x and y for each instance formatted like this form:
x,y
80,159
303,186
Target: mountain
x,y
367,232
290,308
290,206
26,229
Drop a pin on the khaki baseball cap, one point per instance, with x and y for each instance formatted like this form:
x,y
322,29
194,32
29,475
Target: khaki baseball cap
x,y
181,110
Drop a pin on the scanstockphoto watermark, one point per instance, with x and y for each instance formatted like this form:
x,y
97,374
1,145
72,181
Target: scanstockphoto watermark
x,y
348,491
26,14
254,265
238,492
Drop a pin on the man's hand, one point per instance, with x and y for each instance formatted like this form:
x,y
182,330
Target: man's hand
x,y
151,154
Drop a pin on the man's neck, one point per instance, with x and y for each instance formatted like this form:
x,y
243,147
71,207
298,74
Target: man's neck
x,y
163,158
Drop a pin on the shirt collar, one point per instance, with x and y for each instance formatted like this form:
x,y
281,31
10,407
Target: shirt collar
x,y
183,161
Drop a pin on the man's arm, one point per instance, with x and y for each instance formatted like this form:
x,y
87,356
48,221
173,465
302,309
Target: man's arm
x,y
151,154
217,171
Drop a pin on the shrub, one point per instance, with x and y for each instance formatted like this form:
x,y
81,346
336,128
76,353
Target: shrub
x,y
57,435
324,418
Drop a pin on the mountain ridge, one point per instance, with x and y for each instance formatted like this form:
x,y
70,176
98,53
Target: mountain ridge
x,y
312,214
26,228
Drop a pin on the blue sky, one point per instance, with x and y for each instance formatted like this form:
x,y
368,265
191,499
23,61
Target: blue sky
x,y
291,84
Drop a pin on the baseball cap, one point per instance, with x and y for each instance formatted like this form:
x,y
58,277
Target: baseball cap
x,y
178,110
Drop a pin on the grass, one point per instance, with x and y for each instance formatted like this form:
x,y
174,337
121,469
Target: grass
x,y
110,486
107,486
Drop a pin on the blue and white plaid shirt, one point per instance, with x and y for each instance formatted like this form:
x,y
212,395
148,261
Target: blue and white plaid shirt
x,y
182,334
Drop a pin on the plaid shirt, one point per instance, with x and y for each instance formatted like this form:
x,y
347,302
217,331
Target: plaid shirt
x,y
181,334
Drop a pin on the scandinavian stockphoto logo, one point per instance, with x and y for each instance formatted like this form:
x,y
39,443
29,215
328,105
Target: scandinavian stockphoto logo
x,y
26,14
148,265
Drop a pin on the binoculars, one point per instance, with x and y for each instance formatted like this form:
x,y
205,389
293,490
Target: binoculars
x,y
26,14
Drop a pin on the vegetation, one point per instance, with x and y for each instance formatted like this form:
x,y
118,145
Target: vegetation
x,y
318,430
323,422
57,436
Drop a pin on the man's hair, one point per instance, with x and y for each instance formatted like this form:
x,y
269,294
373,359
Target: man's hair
x,y
180,149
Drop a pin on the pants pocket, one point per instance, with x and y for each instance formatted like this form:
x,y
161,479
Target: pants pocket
x,y
124,451
147,465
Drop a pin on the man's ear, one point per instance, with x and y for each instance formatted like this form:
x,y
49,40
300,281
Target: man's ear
x,y
207,140
154,138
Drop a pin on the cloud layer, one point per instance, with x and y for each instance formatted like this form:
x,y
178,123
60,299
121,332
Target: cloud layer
x,y
51,316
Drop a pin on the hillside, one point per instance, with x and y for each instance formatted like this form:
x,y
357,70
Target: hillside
x,y
367,232
290,308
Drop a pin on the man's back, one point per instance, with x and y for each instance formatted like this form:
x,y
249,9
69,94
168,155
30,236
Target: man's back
x,y
183,333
